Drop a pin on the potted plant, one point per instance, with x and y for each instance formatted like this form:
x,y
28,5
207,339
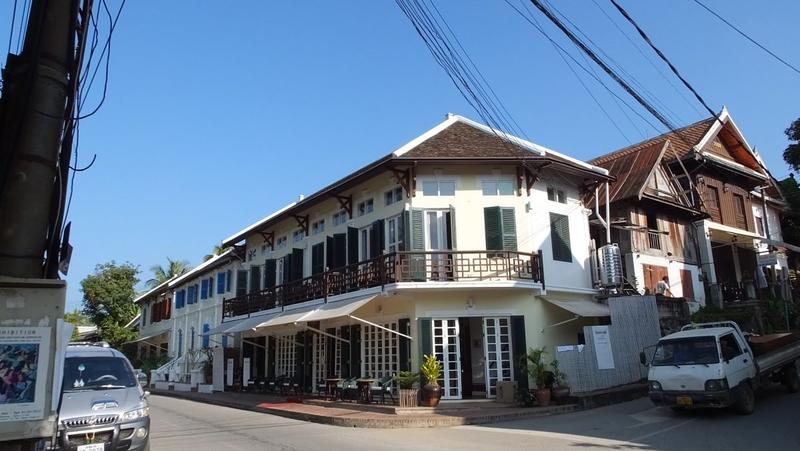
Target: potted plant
x,y
408,394
533,366
524,397
431,370
560,387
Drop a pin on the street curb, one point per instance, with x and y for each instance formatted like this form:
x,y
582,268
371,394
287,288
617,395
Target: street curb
x,y
428,421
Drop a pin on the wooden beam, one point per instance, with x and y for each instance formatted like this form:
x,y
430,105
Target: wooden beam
x,y
346,204
403,177
269,239
302,222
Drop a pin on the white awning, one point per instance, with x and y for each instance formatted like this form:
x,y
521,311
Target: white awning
x,y
581,307
287,317
145,338
250,323
337,309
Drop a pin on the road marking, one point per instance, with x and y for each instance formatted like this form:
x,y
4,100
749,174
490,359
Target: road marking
x,y
649,416
583,439
661,431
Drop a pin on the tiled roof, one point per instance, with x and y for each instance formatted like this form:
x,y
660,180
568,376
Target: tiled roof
x,y
460,140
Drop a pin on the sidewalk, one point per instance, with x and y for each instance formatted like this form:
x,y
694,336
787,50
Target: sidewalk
x,y
371,416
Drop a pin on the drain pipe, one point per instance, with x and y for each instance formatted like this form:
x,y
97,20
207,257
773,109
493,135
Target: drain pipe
x,y
607,221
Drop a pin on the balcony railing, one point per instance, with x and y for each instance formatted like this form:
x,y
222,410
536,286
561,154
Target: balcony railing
x,y
432,266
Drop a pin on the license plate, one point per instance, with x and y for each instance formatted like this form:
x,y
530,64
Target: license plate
x,y
92,447
684,400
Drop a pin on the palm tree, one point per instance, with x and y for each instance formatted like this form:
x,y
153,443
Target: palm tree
x,y
161,274
218,250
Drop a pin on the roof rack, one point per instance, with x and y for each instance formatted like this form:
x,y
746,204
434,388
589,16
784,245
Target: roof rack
x,y
99,344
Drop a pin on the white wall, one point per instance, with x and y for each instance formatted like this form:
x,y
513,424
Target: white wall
x,y
635,262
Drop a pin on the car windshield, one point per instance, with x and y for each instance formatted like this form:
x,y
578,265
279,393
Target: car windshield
x,y
686,351
97,373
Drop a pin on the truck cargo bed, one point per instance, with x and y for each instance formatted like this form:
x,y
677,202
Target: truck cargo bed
x,y
775,350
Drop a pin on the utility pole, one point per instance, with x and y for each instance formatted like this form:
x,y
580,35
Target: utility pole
x,y
36,115
33,115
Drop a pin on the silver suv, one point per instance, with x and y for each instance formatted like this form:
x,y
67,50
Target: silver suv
x,y
103,406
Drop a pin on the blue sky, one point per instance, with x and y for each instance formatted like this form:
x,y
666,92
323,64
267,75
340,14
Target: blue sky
x,y
219,113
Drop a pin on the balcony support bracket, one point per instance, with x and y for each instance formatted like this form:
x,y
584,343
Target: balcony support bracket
x,y
346,204
302,222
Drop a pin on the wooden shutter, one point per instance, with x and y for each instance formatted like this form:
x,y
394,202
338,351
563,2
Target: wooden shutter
x,y
424,331
271,357
508,221
404,327
329,246
352,245
519,348
339,250
297,265
221,283
687,284
559,236
270,270
451,228
355,350
241,283
330,352
255,279
376,238
493,228
317,259
415,237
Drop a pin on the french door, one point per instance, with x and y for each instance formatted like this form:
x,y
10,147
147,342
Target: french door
x,y
447,350
497,351
437,238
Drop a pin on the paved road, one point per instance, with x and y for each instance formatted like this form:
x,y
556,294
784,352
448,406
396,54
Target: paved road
x,y
191,426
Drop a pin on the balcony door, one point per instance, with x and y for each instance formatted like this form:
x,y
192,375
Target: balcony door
x,y
447,349
438,237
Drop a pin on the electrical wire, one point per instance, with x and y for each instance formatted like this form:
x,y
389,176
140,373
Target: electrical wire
x,y
746,36
661,55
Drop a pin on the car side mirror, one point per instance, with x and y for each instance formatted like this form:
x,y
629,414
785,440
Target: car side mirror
x,y
142,379
643,358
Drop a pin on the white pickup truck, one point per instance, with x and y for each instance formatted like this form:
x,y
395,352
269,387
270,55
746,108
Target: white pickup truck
x,y
716,365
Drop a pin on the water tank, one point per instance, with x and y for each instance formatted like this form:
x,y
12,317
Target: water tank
x,y
610,260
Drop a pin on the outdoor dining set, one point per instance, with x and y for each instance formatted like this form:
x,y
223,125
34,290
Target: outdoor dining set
x,y
354,389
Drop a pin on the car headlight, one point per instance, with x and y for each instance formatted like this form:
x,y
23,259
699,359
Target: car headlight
x,y
716,384
655,385
136,414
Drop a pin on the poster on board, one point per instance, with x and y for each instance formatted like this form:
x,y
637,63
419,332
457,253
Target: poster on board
x,y
24,358
602,347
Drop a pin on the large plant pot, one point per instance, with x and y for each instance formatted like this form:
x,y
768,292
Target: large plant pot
x,y
560,393
408,397
542,397
429,395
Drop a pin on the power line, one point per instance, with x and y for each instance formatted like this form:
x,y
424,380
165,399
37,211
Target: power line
x,y
662,56
591,74
786,63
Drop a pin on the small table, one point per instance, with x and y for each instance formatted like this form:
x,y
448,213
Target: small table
x,y
330,387
364,393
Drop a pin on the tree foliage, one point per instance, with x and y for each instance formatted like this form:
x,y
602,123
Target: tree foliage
x,y
791,155
77,318
161,274
108,300
218,249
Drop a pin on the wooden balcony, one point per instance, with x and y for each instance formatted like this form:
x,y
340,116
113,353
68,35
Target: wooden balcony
x,y
435,266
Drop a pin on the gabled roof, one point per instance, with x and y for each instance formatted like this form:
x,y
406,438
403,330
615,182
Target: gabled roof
x,y
456,139
634,165
156,290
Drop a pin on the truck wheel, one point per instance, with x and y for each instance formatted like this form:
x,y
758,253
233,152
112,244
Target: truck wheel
x,y
791,380
746,403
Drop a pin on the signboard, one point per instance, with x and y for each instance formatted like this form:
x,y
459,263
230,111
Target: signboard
x,y
229,375
602,347
245,371
24,360
767,259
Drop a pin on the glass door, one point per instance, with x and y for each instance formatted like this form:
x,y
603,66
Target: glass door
x,y
437,239
447,350
497,348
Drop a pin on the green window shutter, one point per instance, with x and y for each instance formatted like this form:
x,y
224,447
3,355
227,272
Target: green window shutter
x,y
415,231
404,326
270,267
424,332
509,226
559,236
494,228
519,349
